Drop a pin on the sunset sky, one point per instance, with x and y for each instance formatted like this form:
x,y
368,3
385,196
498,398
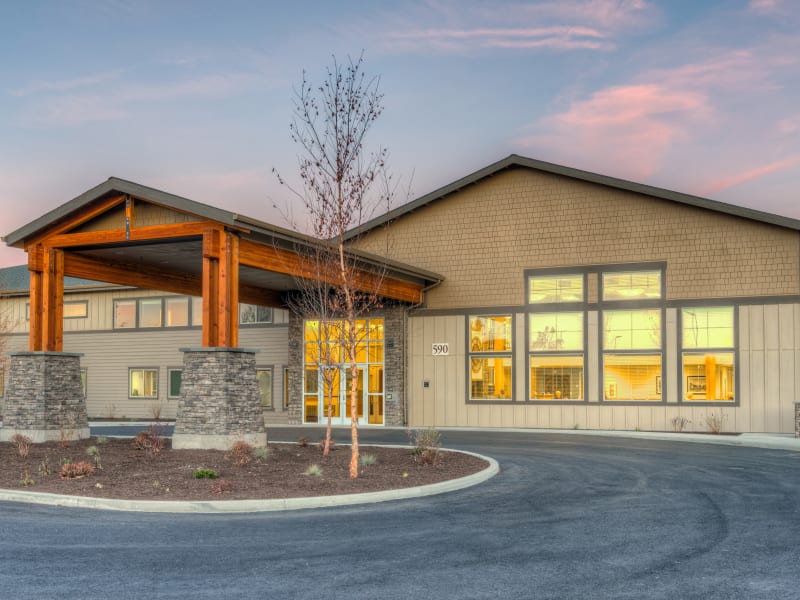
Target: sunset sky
x,y
195,98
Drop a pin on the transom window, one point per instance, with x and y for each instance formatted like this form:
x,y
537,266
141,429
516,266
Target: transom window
x,y
490,357
545,289
632,285
708,356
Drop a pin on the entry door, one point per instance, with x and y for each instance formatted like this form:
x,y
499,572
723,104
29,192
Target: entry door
x,y
335,389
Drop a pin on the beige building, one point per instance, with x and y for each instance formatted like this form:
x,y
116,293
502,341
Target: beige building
x,y
555,298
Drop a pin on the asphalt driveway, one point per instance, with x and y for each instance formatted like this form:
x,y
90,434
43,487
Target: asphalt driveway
x,y
567,517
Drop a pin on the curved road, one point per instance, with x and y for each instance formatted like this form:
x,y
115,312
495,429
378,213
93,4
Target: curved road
x,y
568,517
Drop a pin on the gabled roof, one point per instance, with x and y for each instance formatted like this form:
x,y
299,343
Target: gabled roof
x,y
516,161
17,281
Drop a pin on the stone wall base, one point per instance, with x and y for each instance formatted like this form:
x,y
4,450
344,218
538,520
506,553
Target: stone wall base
x,y
189,441
219,400
44,400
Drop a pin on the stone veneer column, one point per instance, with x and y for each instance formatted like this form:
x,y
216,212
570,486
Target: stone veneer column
x,y
44,399
219,402
295,410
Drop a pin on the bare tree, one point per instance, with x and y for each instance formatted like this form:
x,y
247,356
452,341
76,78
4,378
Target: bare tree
x,y
343,186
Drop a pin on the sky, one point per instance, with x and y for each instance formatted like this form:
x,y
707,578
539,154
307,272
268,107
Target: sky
x,y
195,98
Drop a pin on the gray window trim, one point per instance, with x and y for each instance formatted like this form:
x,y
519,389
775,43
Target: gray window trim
x,y
170,370
158,383
271,369
529,353
468,354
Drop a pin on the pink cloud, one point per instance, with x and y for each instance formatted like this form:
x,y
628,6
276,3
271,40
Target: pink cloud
x,y
627,127
765,6
714,187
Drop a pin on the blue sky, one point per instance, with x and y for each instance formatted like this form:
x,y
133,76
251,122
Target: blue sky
x,y
195,98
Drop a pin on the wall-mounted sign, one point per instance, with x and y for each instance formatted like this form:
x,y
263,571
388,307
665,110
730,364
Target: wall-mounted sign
x,y
440,349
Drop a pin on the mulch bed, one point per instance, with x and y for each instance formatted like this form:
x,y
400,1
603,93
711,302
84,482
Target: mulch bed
x,y
128,472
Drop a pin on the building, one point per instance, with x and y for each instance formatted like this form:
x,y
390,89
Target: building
x,y
539,296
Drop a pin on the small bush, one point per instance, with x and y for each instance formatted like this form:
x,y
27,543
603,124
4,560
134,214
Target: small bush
x,y
679,424
241,452
76,470
22,444
94,453
101,440
368,460
302,442
150,440
26,479
715,422
313,471
427,443
44,467
321,445
202,473
261,453
221,486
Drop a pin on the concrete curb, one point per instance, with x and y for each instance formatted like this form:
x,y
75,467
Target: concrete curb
x,y
255,506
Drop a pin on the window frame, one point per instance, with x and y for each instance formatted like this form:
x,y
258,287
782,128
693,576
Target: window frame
x,y
170,371
530,354
632,304
510,354
143,369
266,369
729,350
257,321
66,303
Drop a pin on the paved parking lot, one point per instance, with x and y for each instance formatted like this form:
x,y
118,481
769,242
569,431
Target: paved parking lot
x,y
568,517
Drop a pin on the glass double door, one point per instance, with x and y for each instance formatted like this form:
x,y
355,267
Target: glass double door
x,y
334,386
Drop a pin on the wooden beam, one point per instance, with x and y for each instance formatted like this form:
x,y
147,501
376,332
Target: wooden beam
x,y
269,258
35,333
53,301
87,213
120,236
228,292
210,302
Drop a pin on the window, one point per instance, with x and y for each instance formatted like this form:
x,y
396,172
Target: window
x,y
490,357
556,356
250,313
632,285
285,387
544,289
124,314
84,381
2,383
175,378
75,309
708,355
197,312
143,383
177,311
632,355
150,312
265,387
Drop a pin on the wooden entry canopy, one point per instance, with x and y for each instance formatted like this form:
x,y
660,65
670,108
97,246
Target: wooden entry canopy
x,y
128,234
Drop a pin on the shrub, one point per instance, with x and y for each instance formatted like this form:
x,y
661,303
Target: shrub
x,y
44,467
715,422
321,445
22,443
150,440
26,479
679,424
221,486
76,470
368,460
94,453
241,452
101,440
427,443
313,470
203,473
261,453
302,442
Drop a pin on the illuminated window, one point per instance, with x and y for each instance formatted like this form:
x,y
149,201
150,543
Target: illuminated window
x,y
124,314
490,357
76,309
708,354
631,370
556,356
543,289
143,383
632,285
197,312
150,312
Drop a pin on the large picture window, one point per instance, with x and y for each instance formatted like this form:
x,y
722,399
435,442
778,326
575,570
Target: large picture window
x,y
708,356
490,357
556,358
632,355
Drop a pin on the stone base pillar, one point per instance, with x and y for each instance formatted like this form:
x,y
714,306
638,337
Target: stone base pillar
x,y
44,399
219,402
